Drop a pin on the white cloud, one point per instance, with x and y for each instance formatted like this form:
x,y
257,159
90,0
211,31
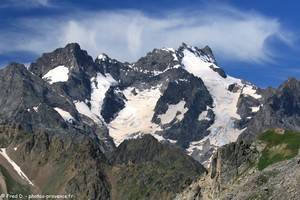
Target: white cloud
x,y
41,2
24,3
129,34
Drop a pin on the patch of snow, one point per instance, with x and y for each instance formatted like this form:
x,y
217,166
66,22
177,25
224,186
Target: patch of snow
x,y
136,116
83,109
203,116
251,91
202,149
174,111
130,66
15,148
155,73
65,115
100,84
102,57
255,109
183,80
36,108
169,49
156,136
27,65
175,57
15,166
58,74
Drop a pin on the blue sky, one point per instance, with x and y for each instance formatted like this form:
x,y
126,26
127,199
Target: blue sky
x,y
254,40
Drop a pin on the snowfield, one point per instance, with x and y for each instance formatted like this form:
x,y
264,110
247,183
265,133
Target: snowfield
x,y
174,111
203,116
58,74
84,109
136,116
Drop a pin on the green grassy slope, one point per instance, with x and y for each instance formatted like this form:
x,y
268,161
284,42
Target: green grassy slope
x,y
279,147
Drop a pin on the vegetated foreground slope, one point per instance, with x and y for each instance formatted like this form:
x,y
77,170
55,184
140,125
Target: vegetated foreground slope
x,y
269,170
279,146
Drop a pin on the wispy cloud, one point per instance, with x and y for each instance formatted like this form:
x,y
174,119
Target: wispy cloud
x,y
24,3
129,34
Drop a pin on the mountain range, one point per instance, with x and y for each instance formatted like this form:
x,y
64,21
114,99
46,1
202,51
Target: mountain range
x,y
172,125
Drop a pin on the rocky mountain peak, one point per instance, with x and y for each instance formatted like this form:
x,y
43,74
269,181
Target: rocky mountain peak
x,y
71,57
73,47
208,51
205,53
157,61
15,67
291,83
17,75
102,57
287,98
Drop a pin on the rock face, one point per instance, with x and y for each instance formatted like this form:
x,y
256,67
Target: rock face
x,y
143,170
280,181
193,93
113,102
281,109
57,147
80,66
71,56
29,101
49,139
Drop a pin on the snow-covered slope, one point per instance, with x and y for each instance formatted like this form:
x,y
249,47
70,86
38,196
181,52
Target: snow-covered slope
x,y
100,84
64,114
136,117
225,107
58,74
15,166
225,102
174,112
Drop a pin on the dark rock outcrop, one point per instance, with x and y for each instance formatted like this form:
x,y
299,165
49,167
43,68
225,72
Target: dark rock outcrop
x,y
193,92
113,102
145,168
